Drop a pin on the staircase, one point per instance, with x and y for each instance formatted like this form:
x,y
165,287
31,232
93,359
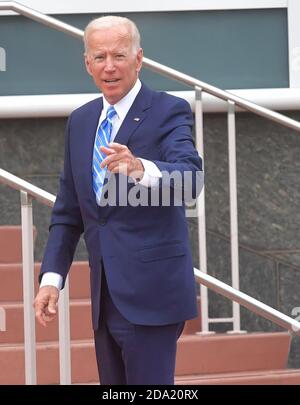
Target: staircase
x,y
254,358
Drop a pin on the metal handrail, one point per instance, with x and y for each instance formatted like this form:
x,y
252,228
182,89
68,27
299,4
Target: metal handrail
x,y
21,185
157,67
247,301
28,191
205,279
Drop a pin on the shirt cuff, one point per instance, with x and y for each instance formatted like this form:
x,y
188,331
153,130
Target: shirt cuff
x,y
51,278
152,174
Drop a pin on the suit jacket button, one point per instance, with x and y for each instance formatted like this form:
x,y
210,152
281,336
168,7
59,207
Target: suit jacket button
x,y
102,221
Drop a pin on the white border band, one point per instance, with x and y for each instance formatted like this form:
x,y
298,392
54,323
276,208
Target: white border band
x,y
294,42
116,6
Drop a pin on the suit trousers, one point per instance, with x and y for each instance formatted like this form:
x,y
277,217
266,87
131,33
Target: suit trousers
x,y
133,354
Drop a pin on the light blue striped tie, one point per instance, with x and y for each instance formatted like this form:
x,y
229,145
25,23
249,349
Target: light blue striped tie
x,y
102,139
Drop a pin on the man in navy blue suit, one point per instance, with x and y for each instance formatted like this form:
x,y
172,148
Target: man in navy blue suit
x,y
141,271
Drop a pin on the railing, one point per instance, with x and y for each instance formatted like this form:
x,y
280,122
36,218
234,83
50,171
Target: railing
x,y
2,320
29,192
233,101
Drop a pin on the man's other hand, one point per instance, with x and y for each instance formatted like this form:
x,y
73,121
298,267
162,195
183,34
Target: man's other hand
x,y
45,304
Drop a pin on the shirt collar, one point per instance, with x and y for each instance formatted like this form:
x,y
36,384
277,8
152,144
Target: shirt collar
x,y
122,107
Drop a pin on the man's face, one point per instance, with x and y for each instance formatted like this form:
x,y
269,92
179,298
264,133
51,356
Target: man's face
x,y
112,63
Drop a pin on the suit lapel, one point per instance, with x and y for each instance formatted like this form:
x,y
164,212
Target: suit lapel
x,y
135,116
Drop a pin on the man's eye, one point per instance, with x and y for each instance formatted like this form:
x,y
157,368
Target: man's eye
x,y
120,56
99,57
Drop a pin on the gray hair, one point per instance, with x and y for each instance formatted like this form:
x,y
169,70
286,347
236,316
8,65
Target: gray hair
x,y
113,21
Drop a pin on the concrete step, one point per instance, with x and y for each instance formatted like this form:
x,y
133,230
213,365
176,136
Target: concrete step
x,y
265,377
212,354
84,368
223,353
11,286
80,319
258,377
11,295
11,243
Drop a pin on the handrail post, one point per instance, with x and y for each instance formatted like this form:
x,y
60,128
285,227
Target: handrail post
x,y
2,320
64,336
234,243
201,212
28,289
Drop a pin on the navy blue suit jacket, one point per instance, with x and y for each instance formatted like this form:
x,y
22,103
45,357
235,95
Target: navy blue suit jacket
x,y
145,249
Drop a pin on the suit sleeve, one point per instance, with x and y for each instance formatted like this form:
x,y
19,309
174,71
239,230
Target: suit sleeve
x,y
180,164
66,221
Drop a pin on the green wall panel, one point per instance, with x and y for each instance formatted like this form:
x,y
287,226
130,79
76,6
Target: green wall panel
x,y
229,49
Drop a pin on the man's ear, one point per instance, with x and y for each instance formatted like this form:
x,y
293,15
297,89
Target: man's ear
x,y
139,59
87,64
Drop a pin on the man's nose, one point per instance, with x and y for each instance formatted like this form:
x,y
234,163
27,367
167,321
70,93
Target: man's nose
x,y
109,64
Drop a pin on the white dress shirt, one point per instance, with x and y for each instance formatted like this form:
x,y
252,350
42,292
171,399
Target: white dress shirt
x,y
151,174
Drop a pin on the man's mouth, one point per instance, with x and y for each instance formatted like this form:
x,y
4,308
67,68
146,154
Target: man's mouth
x,y
111,81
